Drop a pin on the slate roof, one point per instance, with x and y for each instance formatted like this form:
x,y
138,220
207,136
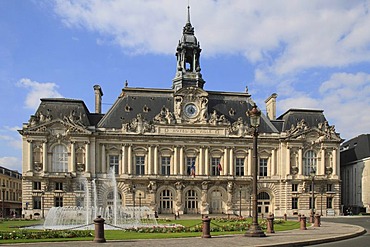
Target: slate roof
x,y
291,117
355,149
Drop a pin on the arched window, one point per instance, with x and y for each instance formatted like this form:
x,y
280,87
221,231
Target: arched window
x,y
166,202
191,202
309,160
110,198
60,159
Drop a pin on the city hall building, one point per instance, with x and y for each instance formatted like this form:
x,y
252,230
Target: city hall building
x,y
181,150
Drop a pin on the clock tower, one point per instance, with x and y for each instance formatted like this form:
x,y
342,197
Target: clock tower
x,y
187,54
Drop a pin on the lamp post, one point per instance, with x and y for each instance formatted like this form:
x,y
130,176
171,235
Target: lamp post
x,y
140,200
3,190
312,173
240,201
133,198
255,118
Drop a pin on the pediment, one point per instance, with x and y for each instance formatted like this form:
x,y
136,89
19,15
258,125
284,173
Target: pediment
x,y
57,127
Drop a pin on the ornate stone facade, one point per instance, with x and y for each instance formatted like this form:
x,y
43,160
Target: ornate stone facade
x,y
183,149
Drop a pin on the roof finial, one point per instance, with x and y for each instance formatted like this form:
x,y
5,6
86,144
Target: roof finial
x,y
188,13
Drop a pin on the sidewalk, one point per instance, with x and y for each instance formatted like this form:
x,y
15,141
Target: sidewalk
x,y
328,232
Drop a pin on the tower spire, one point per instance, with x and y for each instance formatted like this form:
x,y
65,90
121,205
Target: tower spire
x,y
188,14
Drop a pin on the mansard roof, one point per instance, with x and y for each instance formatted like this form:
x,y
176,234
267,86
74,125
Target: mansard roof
x,y
292,117
355,149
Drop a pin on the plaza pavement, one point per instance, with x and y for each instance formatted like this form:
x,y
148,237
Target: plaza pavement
x,y
327,232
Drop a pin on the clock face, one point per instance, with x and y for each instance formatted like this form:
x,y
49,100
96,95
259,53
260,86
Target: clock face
x,y
190,110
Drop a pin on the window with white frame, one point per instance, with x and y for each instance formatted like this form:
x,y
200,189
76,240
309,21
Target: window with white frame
x,y
294,203
309,162
36,200
58,201
140,165
239,167
58,186
114,163
166,165
262,169
215,166
190,164
60,158
37,185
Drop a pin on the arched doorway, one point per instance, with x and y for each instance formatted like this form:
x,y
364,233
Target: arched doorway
x,y
263,202
110,199
165,202
191,202
216,202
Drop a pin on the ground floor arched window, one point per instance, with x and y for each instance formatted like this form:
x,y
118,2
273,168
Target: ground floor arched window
x,y
166,202
263,202
191,202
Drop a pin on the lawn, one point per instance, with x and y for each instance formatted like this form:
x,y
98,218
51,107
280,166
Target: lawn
x,y
12,227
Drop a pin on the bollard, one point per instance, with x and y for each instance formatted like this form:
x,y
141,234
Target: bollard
x,y
285,217
303,223
312,218
299,217
206,227
99,230
317,221
270,224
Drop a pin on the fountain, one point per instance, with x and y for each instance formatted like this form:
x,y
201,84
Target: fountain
x,y
116,216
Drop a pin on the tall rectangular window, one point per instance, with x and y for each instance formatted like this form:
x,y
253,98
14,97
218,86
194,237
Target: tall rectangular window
x,y
37,185
215,170
114,163
294,203
294,187
58,201
329,202
190,165
36,202
166,165
58,186
263,167
239,167
329,187
140,165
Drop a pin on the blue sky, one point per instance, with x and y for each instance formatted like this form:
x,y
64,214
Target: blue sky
x,y
314,54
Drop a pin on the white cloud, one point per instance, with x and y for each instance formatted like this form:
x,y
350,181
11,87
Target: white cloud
x,y
38,90
12,163
283,37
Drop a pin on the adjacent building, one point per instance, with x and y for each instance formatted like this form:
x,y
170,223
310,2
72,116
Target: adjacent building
x,y
355,174
11,193
183,149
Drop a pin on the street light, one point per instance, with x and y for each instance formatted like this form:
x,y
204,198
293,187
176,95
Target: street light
x,y
312,174
3,190
133,196
140,200
240,201
255,118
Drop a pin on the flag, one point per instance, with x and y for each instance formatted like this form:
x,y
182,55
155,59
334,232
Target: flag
x,y
192,169
219,167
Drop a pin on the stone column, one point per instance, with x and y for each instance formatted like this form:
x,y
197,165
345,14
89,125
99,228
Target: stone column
x,y
335,160
124,159
231,162
30,155
175,161
300,161
179,186
87,152
249,162
73,157
45,156
156,160
199,167
182,168
150,163
287,168
129,162
224,163
123,156
273,158
103,160
206,157
322,163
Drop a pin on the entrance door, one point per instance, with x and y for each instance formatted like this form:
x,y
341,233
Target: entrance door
x,y
166,202
216,202
263,203
191,202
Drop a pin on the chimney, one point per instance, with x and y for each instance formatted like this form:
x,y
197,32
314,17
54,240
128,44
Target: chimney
x,y
271,106
98,95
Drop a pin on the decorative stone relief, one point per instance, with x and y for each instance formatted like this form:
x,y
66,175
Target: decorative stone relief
x,y
239,128
215,119
164,117
138,125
